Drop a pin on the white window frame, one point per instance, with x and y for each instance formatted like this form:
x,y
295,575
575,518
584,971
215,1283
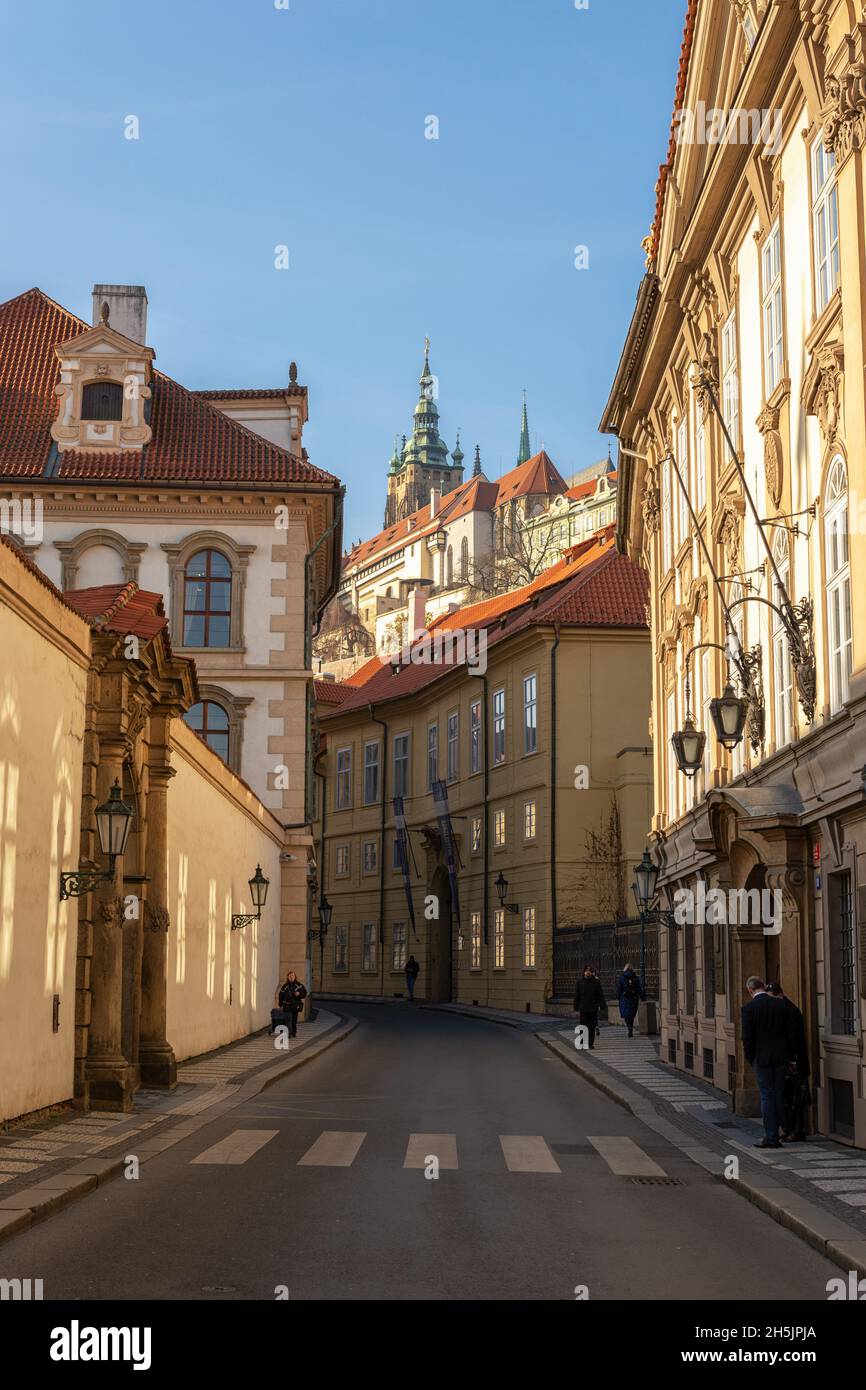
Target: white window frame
x,y
673,771
342,854
369,948
825,224
772,309
452,758
476,834
499,726
432,755
530,820
685,472
499,938
838,584
371,766
475,942
341,949
343,787
701,464
530,713
783,682
667,518
475,737
398,946
529,941
500,829
731,379
402,762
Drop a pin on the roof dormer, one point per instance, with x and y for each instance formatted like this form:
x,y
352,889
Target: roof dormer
x,y
103,387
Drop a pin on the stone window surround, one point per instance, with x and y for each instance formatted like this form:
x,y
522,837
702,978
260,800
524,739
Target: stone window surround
x,y
130,553
235,707
179,554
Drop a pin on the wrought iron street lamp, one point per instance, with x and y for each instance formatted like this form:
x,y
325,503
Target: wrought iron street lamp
x,y
259,894
501,886
113,823
688,745
728,712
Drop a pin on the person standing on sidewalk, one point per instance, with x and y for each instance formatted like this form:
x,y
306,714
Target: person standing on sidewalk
x,y
797,1080
630,992
413,970
588,999
770,1048
292,996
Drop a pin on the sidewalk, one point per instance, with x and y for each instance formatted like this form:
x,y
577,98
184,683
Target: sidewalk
x,y
45,1164
816,1189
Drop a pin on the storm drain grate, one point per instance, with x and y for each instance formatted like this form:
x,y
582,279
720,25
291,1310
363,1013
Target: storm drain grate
x,y
657,1182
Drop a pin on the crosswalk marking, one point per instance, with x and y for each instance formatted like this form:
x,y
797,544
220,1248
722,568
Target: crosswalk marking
x,y
625,1158
842,1185
422,1146
527,1153
236,1147
334,1148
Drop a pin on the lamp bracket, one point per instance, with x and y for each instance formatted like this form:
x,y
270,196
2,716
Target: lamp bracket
x,y
244,919
78,882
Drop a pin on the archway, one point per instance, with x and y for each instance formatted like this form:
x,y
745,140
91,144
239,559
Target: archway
x,y
439,941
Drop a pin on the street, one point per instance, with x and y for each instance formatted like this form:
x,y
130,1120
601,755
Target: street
x,y
312,1192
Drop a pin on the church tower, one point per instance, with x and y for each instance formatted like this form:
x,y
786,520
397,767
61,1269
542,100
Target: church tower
x,y
423,462
525,447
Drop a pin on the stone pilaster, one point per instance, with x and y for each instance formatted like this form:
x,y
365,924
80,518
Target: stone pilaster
x,y
156,1056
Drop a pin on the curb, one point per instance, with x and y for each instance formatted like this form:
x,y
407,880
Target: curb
x,y
33,1204
820,1229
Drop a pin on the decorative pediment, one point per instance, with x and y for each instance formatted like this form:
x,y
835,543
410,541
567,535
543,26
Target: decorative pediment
x,y
103,387
728,528
822,389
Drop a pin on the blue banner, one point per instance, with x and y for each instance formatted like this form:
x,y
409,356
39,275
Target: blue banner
x,y
403,855
443,814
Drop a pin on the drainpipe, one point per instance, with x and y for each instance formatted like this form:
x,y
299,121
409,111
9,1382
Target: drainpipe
x,y
322,872
553,766
384,727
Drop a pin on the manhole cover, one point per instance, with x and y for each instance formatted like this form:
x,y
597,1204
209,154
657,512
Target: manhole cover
x,y
657,1182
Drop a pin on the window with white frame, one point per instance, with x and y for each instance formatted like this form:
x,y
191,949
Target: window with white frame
x,y
683,466
371,856
369,949
730,380
476,834
499,726
498,829
432,754
825,223
529,817
401,765
701,464
529,938
499,938
475,736
771,282
344,779
453,746
706,722
671,724
341,949
783,705
398,946
667,518
475,942
342,864
838,585
530,713
371,773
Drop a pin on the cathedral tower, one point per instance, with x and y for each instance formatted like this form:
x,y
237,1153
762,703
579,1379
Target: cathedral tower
x,y
423,462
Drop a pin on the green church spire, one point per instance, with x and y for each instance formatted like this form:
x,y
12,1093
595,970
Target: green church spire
x,y
457,453
525,449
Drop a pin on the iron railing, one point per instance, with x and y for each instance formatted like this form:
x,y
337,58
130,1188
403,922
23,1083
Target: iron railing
x,y
607,947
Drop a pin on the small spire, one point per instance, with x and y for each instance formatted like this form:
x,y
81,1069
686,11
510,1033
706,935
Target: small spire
x,y
457,453
476,467
426,372
525,449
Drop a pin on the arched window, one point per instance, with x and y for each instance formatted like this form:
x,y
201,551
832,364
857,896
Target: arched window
x,y
207,600
449,567
464,559
102,400
211,722
838,582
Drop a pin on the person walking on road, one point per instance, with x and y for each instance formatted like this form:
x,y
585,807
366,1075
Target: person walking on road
x,y
770,1048
291,1001
588,1000
630,992
413,970
797,1081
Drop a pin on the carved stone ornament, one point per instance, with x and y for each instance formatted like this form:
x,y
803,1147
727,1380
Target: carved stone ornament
x,y
651,504
768,424
729,535
823,389
112,913
157,918
844,117
708,363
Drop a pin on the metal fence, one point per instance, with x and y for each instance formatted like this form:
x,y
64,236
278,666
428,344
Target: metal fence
x,y
607,947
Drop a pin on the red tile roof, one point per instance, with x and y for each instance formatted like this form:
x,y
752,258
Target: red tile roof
x,y
120,608
538,475
331,692
254,393
587,489
192,439
608,590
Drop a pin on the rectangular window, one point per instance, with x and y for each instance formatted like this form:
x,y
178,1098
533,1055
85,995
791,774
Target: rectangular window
x,y
344,778
825,224
498,726
671,711
342,867
475,736
453,746
371,773
771,279
529,938
530,714
783,679
838,601
341,949
476,834
730,380
667,518
398,946
499,938
432,754
475,952
529,820
498,829
371,856
701,467
401,765
843,957
368,959
683,466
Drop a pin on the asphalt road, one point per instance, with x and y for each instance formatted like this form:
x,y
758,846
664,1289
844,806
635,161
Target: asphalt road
x,y
375,1229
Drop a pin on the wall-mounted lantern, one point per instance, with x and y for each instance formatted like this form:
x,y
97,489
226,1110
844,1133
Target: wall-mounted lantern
x,y
259,894
501,886
113,824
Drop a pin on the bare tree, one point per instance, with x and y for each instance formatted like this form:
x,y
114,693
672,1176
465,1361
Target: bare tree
x,y
596,892
342,634
520,554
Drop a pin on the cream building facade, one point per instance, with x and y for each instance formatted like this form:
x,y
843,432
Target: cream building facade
x,y
742,376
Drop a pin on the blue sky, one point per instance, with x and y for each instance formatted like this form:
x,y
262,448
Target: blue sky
x,y
305,127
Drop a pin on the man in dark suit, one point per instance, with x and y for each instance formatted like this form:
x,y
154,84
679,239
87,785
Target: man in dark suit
x,y
770,1047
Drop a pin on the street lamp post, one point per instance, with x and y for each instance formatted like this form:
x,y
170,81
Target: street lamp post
x,y
645,879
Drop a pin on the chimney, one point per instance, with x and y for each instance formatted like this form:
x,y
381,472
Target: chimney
x,y
417,614
127,309
434,502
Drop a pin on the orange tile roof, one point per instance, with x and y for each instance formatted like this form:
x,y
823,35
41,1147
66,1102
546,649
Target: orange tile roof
x,y
331,692
538,475
586,489
192,439
254,393
120,608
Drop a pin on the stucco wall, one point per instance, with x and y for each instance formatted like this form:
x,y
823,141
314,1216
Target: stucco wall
x,y
42,713
220,983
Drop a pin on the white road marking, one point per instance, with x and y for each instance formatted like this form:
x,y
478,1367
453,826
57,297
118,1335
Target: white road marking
x,y
421,1146
236,1147
334,1148
527,1153
624,1158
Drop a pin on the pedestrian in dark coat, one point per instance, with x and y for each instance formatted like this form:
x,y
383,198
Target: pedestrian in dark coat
x,y
797,1096
630,992
413,970
291,1000
588,1000
770,1047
